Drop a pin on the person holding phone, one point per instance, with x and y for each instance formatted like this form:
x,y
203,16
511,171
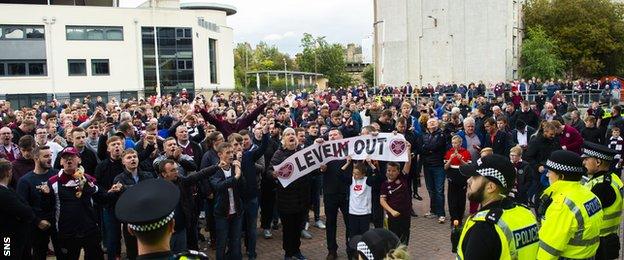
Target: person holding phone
x,y
456,196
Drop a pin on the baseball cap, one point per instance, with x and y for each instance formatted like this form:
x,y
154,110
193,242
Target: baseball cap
x,y
495,167
70,151
375,243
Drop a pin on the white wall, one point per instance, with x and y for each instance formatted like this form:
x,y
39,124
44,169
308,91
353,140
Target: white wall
x,y
463,41
125,57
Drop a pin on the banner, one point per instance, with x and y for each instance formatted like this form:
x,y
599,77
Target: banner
x,y
382,147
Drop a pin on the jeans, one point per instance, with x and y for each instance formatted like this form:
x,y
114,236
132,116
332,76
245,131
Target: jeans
x,y
131,243
250,217
267,204
316,184
456,195
377,216
400,226
178,241
70,247
229,231
112,227
333,202
39,242
434,180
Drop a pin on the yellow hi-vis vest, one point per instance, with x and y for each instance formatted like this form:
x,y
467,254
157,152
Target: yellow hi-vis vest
x,y
612,214
516,227
571,224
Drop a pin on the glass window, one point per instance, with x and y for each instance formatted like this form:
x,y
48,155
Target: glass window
x,y
114,34
212,51
34,33
76,34
179,33
13,33
77,67
95,34
187,33
189,64
100,67
36,69
2,73
16,69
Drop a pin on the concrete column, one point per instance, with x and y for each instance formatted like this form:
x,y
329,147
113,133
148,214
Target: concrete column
x,y
302,81
258,81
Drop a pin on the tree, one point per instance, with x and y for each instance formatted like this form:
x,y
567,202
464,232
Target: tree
x,y
262,57
369,75
322,57
540,56
588,33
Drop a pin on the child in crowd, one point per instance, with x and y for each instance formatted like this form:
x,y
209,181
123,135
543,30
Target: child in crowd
x,y
360,196
591,132
396,199
616,142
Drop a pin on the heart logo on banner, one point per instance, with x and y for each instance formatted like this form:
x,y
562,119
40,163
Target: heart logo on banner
x,y
397,147
286,171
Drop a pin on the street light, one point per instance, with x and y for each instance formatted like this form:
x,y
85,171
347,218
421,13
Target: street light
x,y
285,75
435,20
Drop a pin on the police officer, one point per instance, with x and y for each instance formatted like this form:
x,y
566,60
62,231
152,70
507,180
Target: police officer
x,y
571,213
501,229
607,186
148,208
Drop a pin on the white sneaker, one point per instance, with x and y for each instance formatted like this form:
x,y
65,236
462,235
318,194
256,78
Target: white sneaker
x,y
429,215
319,224
306,234
307,226
267,234
441,220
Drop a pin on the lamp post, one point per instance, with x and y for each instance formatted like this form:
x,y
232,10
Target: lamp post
x,y
285,75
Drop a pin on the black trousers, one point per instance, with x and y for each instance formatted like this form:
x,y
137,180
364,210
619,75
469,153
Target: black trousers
x,y
359,224
333,203
131,243
609,247
456,195
70,247
267,204
291,232
400,226
40,240
377,216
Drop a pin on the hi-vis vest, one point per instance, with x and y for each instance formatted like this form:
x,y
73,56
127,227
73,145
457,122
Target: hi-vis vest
x,y
571,225
612,214
517,230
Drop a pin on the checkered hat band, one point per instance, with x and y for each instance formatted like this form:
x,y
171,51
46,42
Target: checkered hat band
x,y
494,173
592,153
565,168
363,248
151,226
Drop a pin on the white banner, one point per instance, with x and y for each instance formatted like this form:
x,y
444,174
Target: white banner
x,y
382,147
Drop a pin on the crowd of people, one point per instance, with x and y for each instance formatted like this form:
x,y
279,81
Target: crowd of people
x,y
69,162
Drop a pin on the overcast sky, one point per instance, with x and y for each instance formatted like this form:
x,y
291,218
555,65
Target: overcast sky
x,y
283,22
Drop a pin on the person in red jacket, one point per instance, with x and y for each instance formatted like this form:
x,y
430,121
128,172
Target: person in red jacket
x,y
231,124
569,138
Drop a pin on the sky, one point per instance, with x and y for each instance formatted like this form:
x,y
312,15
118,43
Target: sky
x,y
283,22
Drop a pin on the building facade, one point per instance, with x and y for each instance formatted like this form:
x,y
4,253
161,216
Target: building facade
x,y
424,42
70,51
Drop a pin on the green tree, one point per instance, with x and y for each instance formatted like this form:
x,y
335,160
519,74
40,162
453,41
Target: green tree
x,y
262,57
540,56
369,75
588,33
322,57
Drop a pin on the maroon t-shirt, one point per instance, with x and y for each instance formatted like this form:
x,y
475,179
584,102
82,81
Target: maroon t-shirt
x,y
397,194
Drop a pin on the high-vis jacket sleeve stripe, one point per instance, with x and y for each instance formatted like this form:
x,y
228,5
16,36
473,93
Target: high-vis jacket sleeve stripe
x,y
549,249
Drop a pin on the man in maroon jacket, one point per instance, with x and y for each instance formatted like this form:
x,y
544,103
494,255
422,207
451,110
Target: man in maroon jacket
x,y
231,124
